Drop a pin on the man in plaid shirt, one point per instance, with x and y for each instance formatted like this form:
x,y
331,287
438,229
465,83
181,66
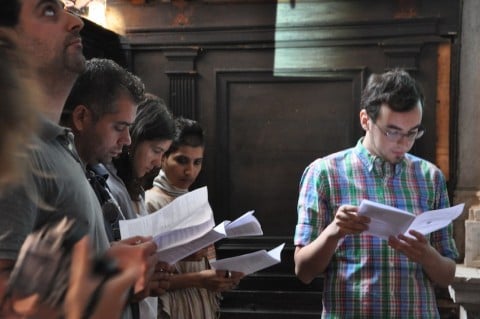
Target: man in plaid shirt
x,y
366,276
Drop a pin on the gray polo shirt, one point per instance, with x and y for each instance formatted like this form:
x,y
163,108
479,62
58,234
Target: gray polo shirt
x,y
56,187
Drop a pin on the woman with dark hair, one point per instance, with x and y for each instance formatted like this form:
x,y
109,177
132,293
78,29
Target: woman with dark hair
x,y
151,136
195,287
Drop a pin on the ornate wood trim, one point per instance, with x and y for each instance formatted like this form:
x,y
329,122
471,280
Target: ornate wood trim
x,y
181,71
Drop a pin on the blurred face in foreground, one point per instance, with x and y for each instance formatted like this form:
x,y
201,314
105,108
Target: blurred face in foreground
x,y
50,37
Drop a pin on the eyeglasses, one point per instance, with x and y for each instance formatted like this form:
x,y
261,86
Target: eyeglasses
x,y
396,135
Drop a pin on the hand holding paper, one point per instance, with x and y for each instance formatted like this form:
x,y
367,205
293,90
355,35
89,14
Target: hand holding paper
x,y
186,226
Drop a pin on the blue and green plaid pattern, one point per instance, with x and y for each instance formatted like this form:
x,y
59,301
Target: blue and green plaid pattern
x,y
366,278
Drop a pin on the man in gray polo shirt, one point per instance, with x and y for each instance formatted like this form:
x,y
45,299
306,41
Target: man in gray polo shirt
x,y
49,37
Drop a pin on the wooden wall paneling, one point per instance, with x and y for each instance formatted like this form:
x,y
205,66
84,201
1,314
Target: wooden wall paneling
x,y
99,42
402,54
270,128
426,75
321,39
151,66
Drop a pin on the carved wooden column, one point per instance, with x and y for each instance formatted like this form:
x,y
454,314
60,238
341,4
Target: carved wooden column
x,y
183,76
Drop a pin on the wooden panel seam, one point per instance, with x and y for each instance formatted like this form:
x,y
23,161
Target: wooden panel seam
x,y
443,108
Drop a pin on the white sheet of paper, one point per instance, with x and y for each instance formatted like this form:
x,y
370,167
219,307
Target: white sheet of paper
x,y
174,254
250,263
390,221
183,220
186,225
245,225
431,221
181,236
385,220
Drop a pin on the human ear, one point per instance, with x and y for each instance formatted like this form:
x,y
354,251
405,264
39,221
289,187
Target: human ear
x,y
164,160
364,119
81,118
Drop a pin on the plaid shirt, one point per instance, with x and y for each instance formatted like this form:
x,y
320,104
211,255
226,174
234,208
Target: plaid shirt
x,y
366,278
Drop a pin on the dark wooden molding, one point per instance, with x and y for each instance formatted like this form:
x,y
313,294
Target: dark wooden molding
x,y
151,39
299,35
405,53
360,30
181,59
404,56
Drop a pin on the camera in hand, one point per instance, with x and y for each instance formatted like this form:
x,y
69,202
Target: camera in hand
x,y
43,265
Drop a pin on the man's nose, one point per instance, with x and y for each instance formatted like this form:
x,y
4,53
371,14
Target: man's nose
x,y
126,139
188,169
75,23
405,141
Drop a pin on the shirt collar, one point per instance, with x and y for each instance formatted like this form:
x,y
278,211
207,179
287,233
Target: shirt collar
x,y
377,165
99,170
49,130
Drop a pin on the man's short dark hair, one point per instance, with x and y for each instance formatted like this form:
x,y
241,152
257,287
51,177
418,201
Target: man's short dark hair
x,y
100,85
395,88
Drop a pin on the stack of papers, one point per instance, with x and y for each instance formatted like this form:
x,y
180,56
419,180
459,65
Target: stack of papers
x,y
183,220
245,225
186,225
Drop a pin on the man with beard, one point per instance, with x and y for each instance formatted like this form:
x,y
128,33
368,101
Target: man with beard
x,y
366,276
57,187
